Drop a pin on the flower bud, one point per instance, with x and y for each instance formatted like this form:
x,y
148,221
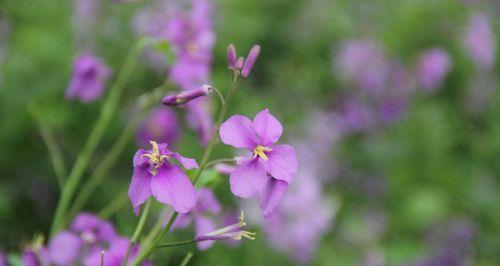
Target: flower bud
x,y
250,60
186,96
231,57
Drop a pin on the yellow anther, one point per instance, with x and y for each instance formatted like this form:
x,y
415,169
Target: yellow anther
x,y
261,152
155,158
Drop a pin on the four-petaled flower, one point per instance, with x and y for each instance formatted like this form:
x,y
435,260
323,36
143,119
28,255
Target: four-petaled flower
x,y
155,175
272,167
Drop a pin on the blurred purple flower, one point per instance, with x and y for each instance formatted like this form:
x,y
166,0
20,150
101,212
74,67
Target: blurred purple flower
x,y
206,205
89,76
92,229
480,41
29,258
302,218
190,35
161,126
363,63
65,248
155,176
3,259
85,16
114,254
272,167
355,115
433,66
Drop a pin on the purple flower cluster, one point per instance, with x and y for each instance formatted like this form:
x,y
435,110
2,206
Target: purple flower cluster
x,y
189,34
89,76
479,41
380,87
84,243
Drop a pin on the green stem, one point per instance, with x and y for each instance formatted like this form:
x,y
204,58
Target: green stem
x,y
156,227
137,231
49,138
150,249
180,243
107,113
227,160
145,102
186,259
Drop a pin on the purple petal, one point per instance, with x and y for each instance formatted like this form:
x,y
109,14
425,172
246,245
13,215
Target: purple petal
x,y
139,160
238,132
206,201
271,196
250,61
172,186
85,221
267,127
248,179
204,225
231,56
182,221
140,188
282,163
64,248
29,258
188,163
106,231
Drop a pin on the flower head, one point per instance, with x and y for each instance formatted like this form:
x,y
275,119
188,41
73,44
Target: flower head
x,y
89,75
154,175
242,64
433,67
272,167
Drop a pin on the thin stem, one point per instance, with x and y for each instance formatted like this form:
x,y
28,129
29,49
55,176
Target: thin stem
x,y
186,259
83,160
156,227
150,249
145,102
116,204
49,138
137,231
102,257
180,243
221,98
227,160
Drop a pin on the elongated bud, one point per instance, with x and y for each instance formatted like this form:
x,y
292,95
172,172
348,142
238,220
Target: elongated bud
x,y
186,96
250,61
231,56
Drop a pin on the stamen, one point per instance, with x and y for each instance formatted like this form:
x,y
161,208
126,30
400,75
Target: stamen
x,y
261,152
155,158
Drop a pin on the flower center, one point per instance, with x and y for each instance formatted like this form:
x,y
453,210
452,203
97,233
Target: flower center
x,y
155,158
261,152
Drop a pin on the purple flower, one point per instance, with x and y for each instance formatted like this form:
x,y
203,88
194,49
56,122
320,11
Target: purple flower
x,y
29,258
233,232
272,167
480,41
433,66
155,175
363,63
242,64
65,248
3,259
114,254
206,205
89,76
92,229
186,96
161,126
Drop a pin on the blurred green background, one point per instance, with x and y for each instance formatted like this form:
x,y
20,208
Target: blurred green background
x,y
438,164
